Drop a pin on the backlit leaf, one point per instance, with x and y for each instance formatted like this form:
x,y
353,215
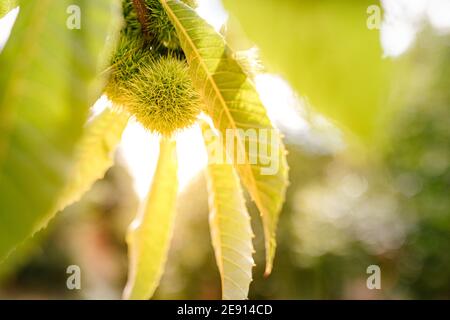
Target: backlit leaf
x,y
94,154
150,233
48,81
230,226
327,52
233,103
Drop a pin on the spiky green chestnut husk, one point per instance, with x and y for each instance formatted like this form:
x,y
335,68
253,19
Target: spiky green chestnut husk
x,y
156,90
126,62
161,96
151,83
161,26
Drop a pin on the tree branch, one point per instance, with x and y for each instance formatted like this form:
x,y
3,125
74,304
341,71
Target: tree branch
x,y
143,16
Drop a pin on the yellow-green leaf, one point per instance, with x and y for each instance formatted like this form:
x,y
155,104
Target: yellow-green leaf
x,y
49,78
94,154
150,233
233,103
230,227
6,6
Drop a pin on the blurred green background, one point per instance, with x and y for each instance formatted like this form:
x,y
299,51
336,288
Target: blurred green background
x,y
344,211
349,205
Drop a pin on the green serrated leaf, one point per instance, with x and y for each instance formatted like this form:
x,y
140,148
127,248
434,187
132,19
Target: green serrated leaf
x,y
48,81
230,227
94,154
233,103
150,233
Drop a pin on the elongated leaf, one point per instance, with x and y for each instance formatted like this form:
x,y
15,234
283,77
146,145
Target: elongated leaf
x,y
234,104
328,53
231,230
94,154
150,233
48,81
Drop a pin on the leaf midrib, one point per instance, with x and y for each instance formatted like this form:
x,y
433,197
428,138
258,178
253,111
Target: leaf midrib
x,y
218,237
224,105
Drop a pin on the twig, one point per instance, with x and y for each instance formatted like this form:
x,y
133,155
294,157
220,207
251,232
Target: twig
x,y
143,16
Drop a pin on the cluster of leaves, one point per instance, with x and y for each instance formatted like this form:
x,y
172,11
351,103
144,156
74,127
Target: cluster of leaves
x,y
51,77
47,155
230,99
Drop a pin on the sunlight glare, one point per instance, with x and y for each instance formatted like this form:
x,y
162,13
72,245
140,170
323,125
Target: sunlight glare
x,y
140,150
213,12
99,106
403,19
6,25
192,154
283,105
